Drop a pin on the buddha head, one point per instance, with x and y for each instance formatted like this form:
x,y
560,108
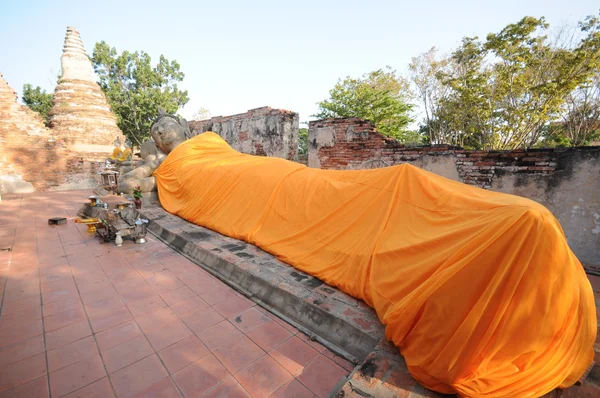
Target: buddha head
x,y
168,131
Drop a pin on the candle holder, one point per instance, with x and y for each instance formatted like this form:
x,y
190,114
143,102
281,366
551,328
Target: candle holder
x,y
110,180
141,228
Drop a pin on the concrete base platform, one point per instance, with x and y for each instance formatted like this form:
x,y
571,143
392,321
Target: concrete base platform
x,y
347,325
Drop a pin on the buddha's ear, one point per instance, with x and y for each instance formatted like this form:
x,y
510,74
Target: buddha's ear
x,y
186,128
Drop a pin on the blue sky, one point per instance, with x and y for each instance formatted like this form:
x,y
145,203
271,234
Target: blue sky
x,y
239,55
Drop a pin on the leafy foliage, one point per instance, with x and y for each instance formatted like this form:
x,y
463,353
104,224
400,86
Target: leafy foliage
x,y
201,114
380,96
466,111
581,116
37,100
424,71
302,141
137,192
514,89
135,89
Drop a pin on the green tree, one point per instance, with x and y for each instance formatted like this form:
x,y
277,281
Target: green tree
x,y
302,141
466,110
37,100
511,89
430,92
533,78
201,114
380,96
580,123
135,89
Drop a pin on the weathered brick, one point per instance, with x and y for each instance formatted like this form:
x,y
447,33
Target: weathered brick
x,y
539,168
254,139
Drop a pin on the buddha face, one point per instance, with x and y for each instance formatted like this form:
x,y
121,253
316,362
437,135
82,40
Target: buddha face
x,y
167,134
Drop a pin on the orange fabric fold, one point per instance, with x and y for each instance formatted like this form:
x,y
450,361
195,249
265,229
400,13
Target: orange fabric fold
x,y
478,289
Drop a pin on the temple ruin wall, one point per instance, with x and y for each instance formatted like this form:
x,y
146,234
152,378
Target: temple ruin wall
x,y
70,154
46,166
262,131
566,181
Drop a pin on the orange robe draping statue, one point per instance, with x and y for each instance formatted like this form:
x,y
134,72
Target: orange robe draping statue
x,y
478,289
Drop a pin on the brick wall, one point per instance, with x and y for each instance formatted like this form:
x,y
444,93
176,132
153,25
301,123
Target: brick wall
x,y
262,131
32,158
82,119
355,144
302,159
45,167
83,128
566,181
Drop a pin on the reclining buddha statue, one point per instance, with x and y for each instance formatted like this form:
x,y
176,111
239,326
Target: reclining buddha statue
x,y
479,290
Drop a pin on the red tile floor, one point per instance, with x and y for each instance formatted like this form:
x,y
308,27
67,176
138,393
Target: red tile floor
x,y
83,319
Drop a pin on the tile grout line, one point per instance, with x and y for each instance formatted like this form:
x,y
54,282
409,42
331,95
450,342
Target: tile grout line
x,y
4,293
6,281
43,325
91,329
42,311
170,376
10,255
266,353
298,327
223,365
73,278
168,306
154,352
213,388
239,290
